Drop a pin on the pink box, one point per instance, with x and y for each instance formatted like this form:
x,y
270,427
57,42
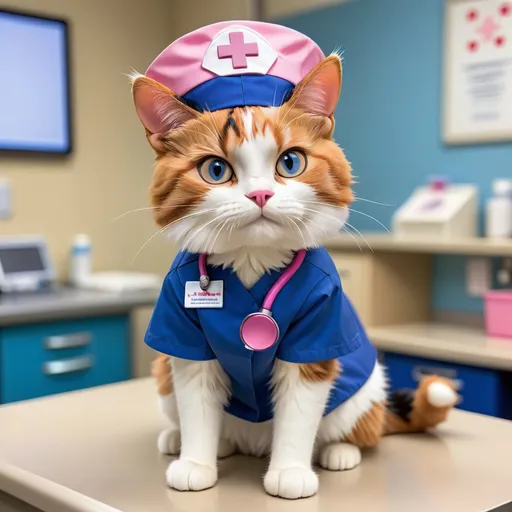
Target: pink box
x,y
498,313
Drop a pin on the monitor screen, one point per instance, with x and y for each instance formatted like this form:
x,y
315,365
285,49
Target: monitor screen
x,y
34,89
21,259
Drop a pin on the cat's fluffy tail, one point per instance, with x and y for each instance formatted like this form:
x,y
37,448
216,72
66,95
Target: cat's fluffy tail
x,y
420,409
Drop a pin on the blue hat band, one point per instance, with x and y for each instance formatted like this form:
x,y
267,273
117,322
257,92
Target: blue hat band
x,y
240,91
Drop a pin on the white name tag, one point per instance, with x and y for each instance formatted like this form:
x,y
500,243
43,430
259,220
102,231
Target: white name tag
x,y
197,298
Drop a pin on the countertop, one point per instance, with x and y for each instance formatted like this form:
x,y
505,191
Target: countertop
x,y
95,450
387,242
60,303
445,342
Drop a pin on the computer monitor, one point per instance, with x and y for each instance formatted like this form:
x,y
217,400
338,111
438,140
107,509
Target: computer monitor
x,y
34,83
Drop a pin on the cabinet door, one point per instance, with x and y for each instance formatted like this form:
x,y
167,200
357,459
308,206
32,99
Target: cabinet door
x,y
47,358
354,270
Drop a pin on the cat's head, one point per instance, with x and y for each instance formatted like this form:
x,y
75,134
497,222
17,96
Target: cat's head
x,y
248,176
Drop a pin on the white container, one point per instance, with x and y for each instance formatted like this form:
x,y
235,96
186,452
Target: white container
x,y
438,212
499,211
81,259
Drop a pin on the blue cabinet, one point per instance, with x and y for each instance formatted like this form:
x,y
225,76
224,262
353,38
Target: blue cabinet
x,y
47,358
483,390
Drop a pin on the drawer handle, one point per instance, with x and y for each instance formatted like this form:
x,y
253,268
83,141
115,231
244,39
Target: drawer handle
x,y
75,364
79,339
420,372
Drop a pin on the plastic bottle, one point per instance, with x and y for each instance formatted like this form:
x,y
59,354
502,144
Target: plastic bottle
x,y
81,259
499,210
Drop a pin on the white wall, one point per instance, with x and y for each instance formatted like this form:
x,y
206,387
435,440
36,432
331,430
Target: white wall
x,y
192,14
276,8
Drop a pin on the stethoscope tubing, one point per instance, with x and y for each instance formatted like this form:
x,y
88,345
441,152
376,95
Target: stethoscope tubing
x,y
281,282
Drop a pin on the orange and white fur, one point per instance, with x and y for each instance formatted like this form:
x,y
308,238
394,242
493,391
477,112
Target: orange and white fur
x,y
221,220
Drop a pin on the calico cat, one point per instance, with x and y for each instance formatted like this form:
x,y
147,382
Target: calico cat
x,y
250,182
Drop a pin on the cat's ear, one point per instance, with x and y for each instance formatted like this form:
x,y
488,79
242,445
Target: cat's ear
x,y
319,91
159,109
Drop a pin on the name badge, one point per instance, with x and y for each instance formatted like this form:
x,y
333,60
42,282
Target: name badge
x,y
197,298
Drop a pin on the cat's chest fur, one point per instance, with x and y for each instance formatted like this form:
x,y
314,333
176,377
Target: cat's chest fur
x,y
249,264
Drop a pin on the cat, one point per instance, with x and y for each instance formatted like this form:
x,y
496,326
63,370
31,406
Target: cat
x,y
207,164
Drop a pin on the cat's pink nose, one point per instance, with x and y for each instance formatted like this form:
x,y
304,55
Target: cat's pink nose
x,y
260,197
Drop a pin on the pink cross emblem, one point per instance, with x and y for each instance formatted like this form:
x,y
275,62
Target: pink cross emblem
x,y
237,50
488,28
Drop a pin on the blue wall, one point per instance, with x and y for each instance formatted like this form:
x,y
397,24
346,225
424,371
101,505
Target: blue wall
x,y
389,116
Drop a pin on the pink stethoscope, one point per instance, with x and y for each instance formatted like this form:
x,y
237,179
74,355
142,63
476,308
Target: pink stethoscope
x,y
259,331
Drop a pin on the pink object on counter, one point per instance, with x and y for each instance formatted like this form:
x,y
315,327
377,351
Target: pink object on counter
x,y
438,184
498,313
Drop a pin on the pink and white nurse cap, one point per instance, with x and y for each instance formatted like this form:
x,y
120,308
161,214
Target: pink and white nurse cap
x,y
237,63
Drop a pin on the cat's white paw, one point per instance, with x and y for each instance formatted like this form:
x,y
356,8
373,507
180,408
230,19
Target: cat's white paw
x,y
184,475
169,441
226,449
291,483
339,456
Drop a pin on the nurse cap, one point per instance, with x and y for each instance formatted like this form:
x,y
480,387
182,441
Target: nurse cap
x,y
234,64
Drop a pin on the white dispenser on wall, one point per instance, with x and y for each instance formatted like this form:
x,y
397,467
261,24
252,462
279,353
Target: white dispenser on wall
x,y
498,218
438,211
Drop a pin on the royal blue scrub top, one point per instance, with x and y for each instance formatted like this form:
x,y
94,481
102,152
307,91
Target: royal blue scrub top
x,y
316,320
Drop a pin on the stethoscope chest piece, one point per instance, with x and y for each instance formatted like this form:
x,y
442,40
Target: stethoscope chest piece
x,y
259,331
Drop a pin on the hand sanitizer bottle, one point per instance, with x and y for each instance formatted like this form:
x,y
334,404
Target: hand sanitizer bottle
x,y
81,259
499,210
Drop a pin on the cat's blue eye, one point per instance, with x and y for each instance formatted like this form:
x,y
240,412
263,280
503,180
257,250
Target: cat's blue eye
x,y
215,170
291,164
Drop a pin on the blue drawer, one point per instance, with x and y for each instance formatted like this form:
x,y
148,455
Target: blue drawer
x,y
43,359
483,391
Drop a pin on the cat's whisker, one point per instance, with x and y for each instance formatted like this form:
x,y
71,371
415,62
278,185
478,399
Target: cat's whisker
x,y
306,227
214,123
215,142
349,209
161,230
320,203
290,106
201,228
207,127
295,119
169,207
323,213
197,231
331,205
370,217
319,227
212,245
298,229
193,214
238,222
211,234
374,202
355,239
230,232
361,235
345,224
134,211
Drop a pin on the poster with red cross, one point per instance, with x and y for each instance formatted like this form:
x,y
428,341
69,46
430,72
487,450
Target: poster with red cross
x,y
478,71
